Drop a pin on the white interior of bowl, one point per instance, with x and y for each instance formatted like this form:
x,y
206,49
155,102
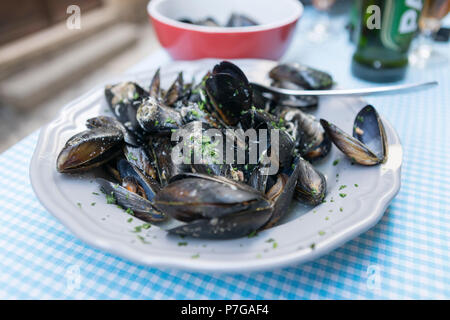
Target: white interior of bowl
x,y
268,13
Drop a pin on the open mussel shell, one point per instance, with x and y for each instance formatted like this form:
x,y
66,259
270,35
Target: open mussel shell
x,y
141,207
369,145
229,92
369,129
124,99
155,84
311,140
175,92
89,149
155,117
311,184
301,75
138,181
142,159
282,192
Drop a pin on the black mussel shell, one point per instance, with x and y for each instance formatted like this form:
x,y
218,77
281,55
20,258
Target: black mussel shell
x,y
147,184
175,91
191,196
155,117
141,208
161,148
259,119
235,225
304,76
155,85
109,122
141,159
282,192
311,185
240,20
369,128
311,140
229,92
186,20
89,149
213,207
259,176
124,100
208,22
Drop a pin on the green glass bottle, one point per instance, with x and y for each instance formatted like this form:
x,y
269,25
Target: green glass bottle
x,y
384,34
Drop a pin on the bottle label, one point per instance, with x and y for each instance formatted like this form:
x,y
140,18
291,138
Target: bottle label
x,y
400,18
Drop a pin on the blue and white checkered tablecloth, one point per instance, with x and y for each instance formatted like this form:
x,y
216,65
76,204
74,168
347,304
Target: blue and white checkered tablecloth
x,y
406,255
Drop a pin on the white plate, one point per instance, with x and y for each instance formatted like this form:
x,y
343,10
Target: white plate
x,y
304,234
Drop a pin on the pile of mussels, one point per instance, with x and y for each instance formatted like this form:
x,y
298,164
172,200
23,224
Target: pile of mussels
x,y
216,200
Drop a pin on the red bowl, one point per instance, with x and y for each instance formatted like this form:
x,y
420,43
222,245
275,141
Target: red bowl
x,y
183,41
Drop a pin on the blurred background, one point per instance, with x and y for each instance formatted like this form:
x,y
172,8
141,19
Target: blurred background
x,y
44,64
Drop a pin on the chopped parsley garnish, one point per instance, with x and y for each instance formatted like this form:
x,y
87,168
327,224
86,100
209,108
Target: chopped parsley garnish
x,y
143,240
342,195
253,234
341,209
110,199
132,156
129,211
356,185
270,240
129,220
181,244
342,187
336,162
274,245
93,204
321,233
79,205
95,193
195,256
195,113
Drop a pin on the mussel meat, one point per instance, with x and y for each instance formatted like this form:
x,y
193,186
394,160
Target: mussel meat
x,y
155,117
